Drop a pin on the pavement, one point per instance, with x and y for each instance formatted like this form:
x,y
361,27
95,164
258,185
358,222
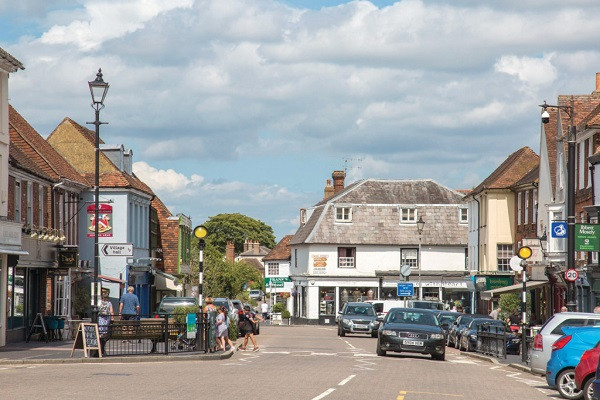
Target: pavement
x,y
512,361
59,352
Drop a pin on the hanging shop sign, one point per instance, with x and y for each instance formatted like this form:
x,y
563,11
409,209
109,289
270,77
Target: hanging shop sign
x,y
104,220
320,264
587,237
67,258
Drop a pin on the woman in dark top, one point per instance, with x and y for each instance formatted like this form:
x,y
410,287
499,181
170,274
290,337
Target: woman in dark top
x,y
247,321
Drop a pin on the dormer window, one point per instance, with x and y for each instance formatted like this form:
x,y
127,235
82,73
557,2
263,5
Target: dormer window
x,y
343,214
408,215
463,215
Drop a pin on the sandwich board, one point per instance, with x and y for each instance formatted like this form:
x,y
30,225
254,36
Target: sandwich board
x,y
87,338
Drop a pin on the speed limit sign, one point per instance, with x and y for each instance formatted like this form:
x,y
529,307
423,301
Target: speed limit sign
x,y
571,275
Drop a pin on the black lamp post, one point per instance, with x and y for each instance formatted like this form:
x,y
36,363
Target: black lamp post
x,y
571,138
98,89
420,226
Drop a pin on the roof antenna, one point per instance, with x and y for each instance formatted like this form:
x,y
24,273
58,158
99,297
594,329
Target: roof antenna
x,y
351,161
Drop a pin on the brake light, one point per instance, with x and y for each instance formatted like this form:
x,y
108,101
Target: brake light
x,y
560,343
586,354
538,343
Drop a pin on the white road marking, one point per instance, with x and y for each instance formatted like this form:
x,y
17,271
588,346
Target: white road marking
x,y
325,393
348,343
276,352
365,355
342,383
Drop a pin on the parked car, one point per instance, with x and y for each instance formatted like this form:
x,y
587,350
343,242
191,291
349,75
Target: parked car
x,y
461,323
586,371
357,317
596,384
426,304
411,330
256,294
566,354
468,337
446,319
382,307
239,306
551,331
168,304
231,310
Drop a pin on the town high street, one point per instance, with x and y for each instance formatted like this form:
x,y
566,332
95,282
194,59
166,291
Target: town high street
x,y
294,362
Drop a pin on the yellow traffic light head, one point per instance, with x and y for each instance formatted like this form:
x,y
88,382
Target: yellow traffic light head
x,y
524,252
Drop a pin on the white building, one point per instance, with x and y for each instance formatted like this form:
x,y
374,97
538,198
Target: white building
x,y
351,245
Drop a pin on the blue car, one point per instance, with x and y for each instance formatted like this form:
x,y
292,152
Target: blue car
x,y
566,353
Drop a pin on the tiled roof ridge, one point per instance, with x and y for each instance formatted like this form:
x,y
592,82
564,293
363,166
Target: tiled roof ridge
x,y
281,250
11,60
25,163
163,207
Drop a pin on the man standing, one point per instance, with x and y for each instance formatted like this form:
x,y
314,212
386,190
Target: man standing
x,y
495,313
129,306
264,309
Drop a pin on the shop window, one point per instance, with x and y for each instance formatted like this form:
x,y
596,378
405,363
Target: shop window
x,y
16,297
409,257
431,293
346,257
327,301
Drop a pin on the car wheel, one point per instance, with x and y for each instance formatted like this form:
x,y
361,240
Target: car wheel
x,y
439,356
380,352
456,344
342,333
565,383
588,389
374,334
448,341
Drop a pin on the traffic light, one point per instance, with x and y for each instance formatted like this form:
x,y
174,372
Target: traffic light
x,y
524,252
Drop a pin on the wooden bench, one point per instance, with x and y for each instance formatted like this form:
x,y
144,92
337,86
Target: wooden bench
x,y
144,328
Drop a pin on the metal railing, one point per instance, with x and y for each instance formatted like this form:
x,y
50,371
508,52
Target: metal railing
x,y
146,335
491,340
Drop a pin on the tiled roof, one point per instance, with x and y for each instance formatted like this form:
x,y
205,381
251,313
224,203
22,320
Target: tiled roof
x,y
281,251
118,179
10,63
262,251
18,159
530,178
515,167
89,134
376,207
40,152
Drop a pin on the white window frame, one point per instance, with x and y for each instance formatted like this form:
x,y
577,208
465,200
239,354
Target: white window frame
x,y
273,268
410,256
406,217
41,201
343,214
519,208
535,207
526,216
62,297
29,217
505,252
463,212
590,153
17,208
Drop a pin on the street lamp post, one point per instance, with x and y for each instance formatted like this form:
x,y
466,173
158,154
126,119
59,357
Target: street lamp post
x,y
420,226
571,138
98,89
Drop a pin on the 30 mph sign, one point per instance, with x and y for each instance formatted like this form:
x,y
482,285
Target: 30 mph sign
x,y
571,275
117,249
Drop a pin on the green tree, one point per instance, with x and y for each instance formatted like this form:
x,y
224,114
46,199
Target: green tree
x,y
236,228
511,302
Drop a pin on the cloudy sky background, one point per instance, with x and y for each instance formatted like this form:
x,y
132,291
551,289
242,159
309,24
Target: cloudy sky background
x,y
249,105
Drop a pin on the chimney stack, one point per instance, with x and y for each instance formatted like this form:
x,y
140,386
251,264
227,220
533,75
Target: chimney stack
x,y
247,245
230,251
597,81
338,181
328,192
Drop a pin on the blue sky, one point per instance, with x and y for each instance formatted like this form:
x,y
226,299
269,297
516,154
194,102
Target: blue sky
x,y
249,105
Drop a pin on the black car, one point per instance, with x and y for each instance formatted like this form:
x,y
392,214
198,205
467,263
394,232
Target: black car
x,y
468,337
411,330
446,319
456,328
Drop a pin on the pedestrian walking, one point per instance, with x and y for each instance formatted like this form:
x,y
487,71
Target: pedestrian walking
x,y
223,329
264,309
105,312
211,310
495,313
129,305
248,323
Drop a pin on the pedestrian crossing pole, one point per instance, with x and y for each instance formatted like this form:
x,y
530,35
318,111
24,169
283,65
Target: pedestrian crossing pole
x,y
200,232
524,253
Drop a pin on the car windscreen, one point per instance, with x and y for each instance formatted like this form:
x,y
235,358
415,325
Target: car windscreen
x,y
219,303
427,305
360,310
490,322
412,317
447,319
167,307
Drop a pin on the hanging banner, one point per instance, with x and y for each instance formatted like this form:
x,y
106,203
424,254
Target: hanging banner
x,y
104,220
587,237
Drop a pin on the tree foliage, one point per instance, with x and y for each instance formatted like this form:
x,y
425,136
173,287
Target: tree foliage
x,y
236,228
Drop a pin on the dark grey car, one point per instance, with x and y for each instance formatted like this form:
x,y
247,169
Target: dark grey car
x,y
357,317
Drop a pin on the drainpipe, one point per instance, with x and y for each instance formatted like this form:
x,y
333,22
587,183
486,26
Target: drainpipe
x,y
474,296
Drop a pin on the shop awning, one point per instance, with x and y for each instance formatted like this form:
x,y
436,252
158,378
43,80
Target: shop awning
x,y
107,278
164,281
489,294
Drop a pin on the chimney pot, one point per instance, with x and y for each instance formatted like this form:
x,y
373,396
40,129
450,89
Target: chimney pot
x,y
328,192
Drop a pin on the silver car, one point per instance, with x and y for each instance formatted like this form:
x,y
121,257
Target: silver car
x,y
551,331
357,317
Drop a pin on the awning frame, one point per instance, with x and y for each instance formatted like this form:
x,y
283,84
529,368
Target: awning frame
x,y
490,294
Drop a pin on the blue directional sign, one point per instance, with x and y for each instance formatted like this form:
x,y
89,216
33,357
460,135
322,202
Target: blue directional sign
x,y
559,230
406,290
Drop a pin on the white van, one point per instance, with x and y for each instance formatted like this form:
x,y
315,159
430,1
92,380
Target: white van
x,y
383,306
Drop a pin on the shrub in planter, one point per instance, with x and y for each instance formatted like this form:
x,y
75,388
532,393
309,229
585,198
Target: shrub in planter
x,y
285,314
233,330
278,307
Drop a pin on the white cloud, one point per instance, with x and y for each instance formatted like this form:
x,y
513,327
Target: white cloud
x,y
165,181
533,71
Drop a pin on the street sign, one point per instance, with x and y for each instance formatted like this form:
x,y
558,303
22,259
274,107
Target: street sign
x,y
406,290
276,281
515,264
117,249
587,237
571,275
405,270
559,230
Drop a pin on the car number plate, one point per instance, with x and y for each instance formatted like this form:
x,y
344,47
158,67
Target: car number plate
x,y
361,326
412,342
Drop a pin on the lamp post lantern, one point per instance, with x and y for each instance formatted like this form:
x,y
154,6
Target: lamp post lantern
x,y
98,90
420,226
571,138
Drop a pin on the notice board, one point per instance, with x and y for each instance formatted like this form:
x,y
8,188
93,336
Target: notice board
x,y
87,338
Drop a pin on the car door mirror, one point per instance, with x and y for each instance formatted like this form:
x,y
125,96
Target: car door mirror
x,y
379,318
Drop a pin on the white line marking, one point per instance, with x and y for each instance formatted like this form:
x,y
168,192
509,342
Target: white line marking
x,y
342,383
365,355
325,393
348,343
275,352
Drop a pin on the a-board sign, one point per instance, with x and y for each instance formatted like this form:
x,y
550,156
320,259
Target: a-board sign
x,y
87,338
